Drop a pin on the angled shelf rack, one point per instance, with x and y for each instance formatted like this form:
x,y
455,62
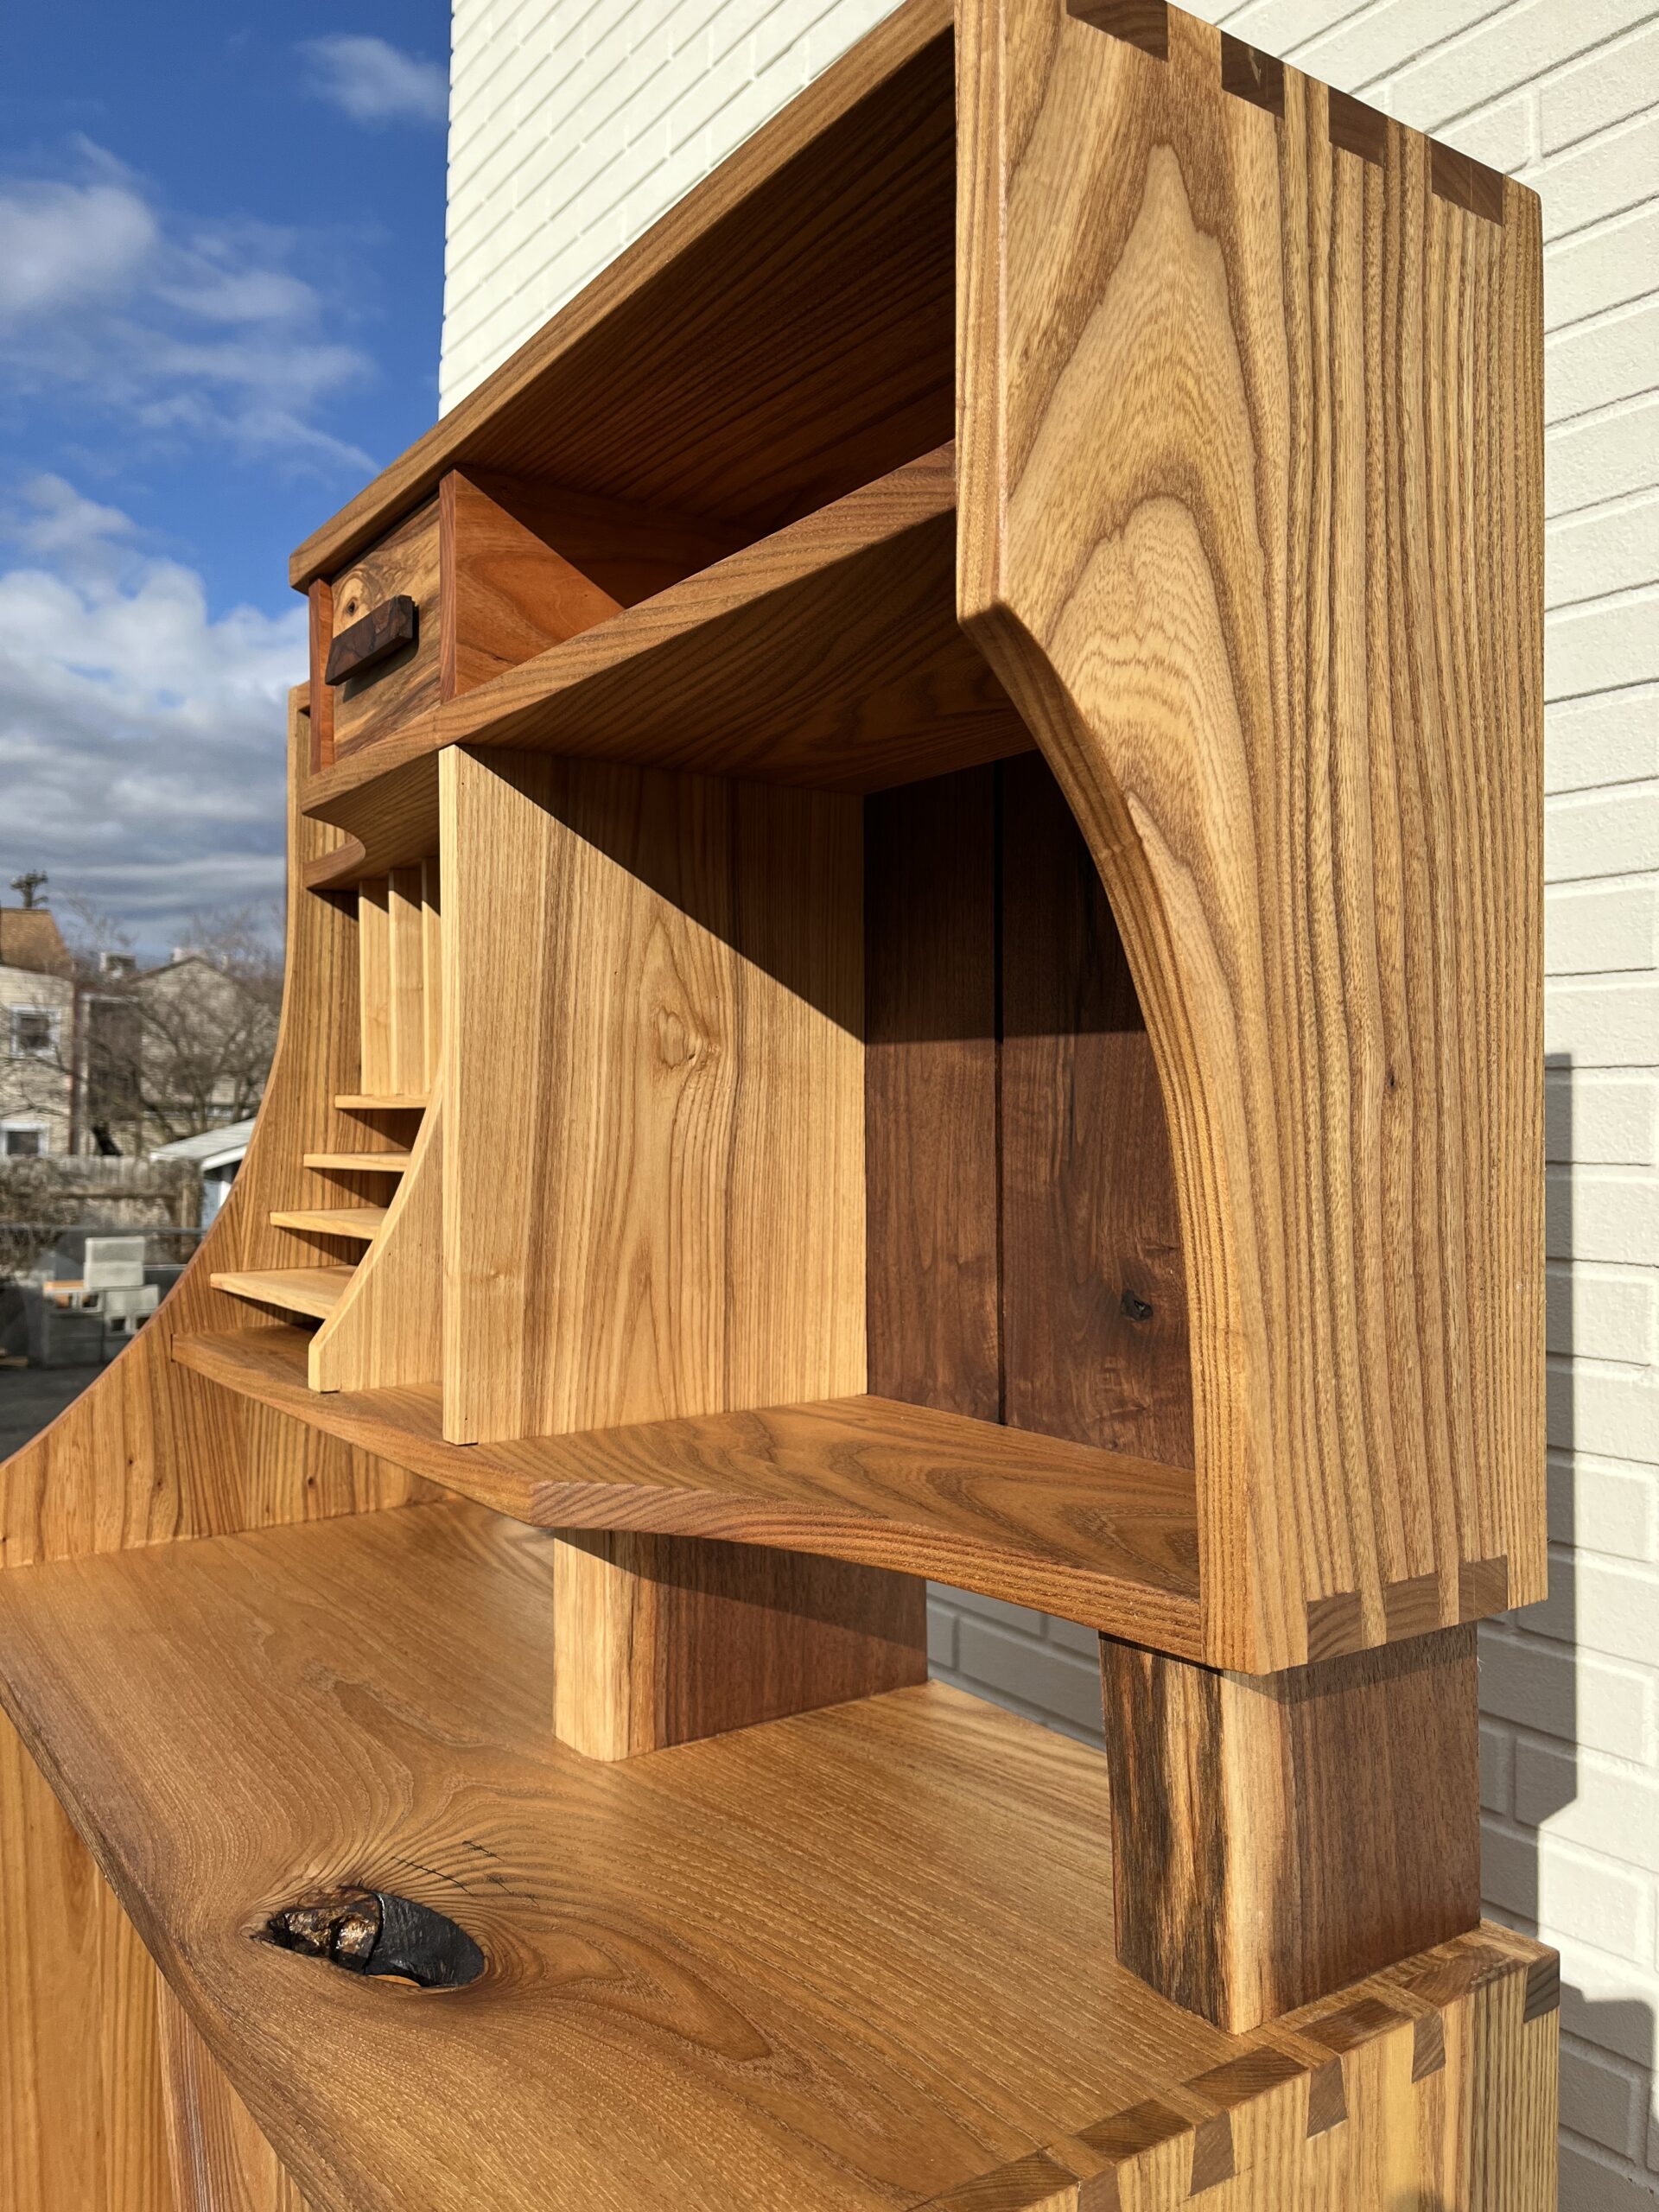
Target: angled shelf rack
x,y
913,952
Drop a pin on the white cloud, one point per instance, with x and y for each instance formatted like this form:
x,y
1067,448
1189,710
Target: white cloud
x,y
200,331
141,740
374,82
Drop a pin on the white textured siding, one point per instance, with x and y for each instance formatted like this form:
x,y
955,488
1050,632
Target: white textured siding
x,y
577,121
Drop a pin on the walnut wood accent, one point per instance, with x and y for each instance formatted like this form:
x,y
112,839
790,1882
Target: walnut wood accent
x,y
659,1640
714,1975
1094,1291
507,594
1111,1541
374,637
219,2161
683,1146
1356,128
930,1094
1291,688
807,287
402,568
1144,23
826,654
1467,183
1276,1836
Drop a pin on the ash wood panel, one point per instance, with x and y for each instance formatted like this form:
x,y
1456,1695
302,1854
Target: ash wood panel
x,y
1274,1837
653,1193
828,654
658,1640
404,563
432,963
930,1094
1107,1541
715,1979
387,822
385,1162
314,1291
507,594
383,1328
381,1102
148,1453
219,2160
407,993
1292,688
80,2090
800,296
361,1222
377,1066
1094,1293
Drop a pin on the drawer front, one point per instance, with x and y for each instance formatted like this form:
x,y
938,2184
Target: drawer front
x,y
403,682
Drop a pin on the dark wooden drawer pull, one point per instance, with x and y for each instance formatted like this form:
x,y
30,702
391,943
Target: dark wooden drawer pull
x,y
384,630
375,1931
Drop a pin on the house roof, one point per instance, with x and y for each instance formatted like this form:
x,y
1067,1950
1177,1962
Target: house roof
x,y
29,938
211,1147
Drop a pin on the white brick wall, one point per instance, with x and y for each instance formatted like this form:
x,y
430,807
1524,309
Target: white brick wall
x,y
576,123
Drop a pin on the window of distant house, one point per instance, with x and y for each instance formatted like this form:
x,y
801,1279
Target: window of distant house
x,y
34,1032
24,1143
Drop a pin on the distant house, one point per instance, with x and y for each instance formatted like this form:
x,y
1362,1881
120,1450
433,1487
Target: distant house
x,y
169,1051
218,1154
37,1035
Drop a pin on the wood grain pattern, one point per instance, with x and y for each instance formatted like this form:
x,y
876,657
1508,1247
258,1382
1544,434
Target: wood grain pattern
x,y
80,2090
1274,1837
314,1291
653,1184
1291,684
802,297
1094,1295
387,822
384,1327
715,1979
377,1074
507,594
930,1094
1109,1541
407,980
357,1223
404,565
373,637
632,552
659,1640
826,654
432,964
218,2159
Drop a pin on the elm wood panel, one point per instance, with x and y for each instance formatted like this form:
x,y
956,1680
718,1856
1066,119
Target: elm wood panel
x,y
385,1327
80,2088
376,1076
715,1979
385,823
149,1451
507,594
1105,1540
218,2159
826,654
1251,530
663,1640
407,993
1095,1343
930,1094
404,563
653,1192
782,333
1276,1836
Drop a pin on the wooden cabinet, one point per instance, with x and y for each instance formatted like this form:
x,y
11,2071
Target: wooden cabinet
x,y
914,951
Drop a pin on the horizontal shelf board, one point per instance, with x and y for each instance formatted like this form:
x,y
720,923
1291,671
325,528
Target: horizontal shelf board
x,y
361,1222
359,1163
1107,1541
357,1101
314,1291
807,293
392,822
842,1963
827,655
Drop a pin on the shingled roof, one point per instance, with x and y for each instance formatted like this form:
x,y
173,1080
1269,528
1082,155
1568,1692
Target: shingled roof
x,y
29,939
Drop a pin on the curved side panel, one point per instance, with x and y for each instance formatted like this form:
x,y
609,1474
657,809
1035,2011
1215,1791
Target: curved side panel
x,y
1250,505
386,1331
151,1452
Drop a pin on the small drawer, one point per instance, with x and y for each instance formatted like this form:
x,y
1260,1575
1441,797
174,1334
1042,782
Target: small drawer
x,y
375,634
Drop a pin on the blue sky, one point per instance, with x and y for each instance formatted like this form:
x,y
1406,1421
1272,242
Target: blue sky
x,y
221,248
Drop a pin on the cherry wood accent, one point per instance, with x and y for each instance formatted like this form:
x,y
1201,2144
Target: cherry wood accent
x,y
661,1640
1276,1836
1109,1539
930,1094
1094,1342
506,593
391,685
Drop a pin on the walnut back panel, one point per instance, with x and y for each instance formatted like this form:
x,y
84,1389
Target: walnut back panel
x,y
1250,527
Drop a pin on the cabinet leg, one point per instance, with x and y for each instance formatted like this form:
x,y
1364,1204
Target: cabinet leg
x,y
663,1639
1276,1836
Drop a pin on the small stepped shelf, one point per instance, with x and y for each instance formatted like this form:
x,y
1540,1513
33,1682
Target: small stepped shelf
x,y
868,1948
913,952
313,1291
1028,1519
